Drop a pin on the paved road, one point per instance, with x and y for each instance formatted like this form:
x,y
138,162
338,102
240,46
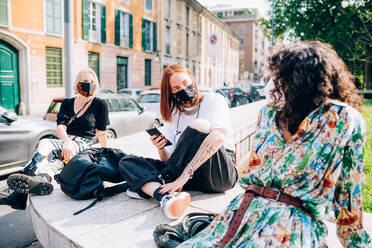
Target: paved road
x,y
15,227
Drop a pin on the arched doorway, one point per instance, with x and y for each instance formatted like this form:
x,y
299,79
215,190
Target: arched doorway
x,y
9,83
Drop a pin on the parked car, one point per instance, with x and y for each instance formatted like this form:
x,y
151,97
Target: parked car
x,y
212,90
250,92
150,99
126,116
105,91
19,137
133,92
235,95
260,88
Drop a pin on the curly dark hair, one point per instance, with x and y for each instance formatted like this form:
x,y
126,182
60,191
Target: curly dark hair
x,y
308,74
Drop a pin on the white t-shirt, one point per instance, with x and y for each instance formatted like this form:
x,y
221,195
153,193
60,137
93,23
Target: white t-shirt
x,y
213,108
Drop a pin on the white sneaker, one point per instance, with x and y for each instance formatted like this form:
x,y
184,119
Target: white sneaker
x,y
133,194
175,205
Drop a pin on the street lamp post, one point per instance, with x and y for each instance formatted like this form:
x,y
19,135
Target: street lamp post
x,y
68,46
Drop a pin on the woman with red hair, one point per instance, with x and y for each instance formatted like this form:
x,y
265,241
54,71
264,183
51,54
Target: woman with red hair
x,y
201,154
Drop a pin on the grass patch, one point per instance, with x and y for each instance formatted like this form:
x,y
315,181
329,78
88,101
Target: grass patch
x,y
367,190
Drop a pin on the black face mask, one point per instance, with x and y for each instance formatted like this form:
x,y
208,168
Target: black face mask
x,y
86,89
186,95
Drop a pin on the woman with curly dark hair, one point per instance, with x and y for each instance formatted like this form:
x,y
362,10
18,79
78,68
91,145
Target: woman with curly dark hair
x,y
306,163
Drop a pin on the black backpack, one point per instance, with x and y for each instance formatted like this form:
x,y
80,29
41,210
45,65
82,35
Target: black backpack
x,y
83,176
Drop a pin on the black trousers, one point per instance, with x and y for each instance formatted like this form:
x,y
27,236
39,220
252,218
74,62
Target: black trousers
x,y
216,175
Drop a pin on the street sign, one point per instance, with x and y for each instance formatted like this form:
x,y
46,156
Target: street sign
x,y
213,45
213,39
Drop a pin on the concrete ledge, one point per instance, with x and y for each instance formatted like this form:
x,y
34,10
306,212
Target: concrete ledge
x,y
123,222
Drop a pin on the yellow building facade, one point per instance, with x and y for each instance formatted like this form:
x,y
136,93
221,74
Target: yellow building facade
x,y
116,38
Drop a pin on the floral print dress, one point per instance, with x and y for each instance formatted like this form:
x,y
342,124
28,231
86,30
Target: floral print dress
x,y
322,165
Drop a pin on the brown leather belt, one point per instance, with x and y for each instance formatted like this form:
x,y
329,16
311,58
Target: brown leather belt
x,y
250,192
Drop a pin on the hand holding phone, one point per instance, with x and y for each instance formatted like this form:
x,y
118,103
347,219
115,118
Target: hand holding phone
x,y
155,131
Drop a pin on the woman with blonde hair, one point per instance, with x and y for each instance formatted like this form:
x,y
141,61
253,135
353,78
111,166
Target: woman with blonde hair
x,y
78,121
201,154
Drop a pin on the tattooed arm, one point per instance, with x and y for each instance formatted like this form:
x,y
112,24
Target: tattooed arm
x,y
210,146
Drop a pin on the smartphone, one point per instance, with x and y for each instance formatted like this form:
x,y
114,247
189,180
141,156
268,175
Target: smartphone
x,y
155,131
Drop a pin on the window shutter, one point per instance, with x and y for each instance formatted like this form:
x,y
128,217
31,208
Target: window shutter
x,y
130,31
154,37
117,28
86,20
4,12
143,34
103,23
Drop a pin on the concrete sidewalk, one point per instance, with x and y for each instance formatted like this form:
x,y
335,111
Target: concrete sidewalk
x,y
123,222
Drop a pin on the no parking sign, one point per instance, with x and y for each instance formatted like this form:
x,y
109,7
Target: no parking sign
x,y
213,45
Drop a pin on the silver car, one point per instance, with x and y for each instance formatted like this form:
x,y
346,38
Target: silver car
x,y
126,116
133,92
19,137
150,99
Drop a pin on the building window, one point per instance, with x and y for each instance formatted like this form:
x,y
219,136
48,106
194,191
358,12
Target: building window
x,y
228,13
167,8
194,46
53,58
147,72
124,29
93,62
148,5
179,42
187,45
122,72
167,40
219,14
179,11
239,12
53,16
148,35
4,13
94,21
187,16
241,29
241,41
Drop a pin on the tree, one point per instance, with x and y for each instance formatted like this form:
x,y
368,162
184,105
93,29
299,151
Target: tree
x,y
346,25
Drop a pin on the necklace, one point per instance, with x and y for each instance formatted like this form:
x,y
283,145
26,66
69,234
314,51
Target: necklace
x,y
196,109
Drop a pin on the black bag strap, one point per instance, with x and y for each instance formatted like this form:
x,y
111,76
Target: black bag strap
x,y
105,192
75,115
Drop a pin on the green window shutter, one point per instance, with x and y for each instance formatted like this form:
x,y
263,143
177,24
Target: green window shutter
x,y
103,23
117,28
147,72
4,12
53,57
130,31
86,20
93,62
154,37
143,34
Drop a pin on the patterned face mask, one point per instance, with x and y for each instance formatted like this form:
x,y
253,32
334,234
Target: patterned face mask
x,y
186,95
85,88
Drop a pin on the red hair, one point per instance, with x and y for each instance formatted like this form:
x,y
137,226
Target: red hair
x,y
167,101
